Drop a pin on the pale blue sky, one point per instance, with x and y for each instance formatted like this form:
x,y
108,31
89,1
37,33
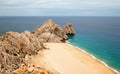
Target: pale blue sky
x,y
59,7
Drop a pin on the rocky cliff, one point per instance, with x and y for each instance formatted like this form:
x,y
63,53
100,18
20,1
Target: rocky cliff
x,y
50,32
15,46
68,29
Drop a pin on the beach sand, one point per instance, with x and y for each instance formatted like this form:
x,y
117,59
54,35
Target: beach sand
x,y
67,59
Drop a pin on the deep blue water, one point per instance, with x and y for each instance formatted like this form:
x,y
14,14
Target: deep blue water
x,y
99,36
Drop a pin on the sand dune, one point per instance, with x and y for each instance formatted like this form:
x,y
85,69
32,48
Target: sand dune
x,y
67,59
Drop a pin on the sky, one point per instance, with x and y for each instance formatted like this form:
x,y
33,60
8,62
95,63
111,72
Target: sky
x,y
59,7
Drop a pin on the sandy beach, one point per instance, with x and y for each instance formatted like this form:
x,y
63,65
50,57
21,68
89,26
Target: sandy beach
x,y
67,59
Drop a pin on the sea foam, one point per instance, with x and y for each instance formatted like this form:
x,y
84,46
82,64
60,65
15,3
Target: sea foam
x,y
93,57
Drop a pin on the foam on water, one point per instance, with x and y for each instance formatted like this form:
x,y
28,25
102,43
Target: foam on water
x,y
93,57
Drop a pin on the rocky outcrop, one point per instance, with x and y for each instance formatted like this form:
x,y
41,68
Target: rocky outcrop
x,y
30,44
50,32
9,47
23,69
68,29
13,48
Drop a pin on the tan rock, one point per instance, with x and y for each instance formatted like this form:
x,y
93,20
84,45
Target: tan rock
x,y
29,43
30,69
52,32
13,48
68,28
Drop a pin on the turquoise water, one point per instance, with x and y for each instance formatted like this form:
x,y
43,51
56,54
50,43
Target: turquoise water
x,y
99,36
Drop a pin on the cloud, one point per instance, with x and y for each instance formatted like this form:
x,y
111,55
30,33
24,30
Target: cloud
x,y
32,3
57,3
71,7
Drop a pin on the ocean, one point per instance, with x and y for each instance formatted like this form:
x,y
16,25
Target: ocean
x,y
97,35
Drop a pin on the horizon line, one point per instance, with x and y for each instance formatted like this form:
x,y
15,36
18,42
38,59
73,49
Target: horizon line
x,y
60,16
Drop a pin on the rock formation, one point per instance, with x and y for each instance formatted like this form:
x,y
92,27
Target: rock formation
x,y
15,46
50,32
23,69
68,29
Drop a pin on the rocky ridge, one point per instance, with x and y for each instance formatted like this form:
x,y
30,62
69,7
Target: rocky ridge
x,y
15,46
50,32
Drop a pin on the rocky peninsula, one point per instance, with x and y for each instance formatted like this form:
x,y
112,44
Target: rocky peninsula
x,y
15,46
45,51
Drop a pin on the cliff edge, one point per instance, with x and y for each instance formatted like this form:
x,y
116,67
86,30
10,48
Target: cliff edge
x,y
50,32
15,46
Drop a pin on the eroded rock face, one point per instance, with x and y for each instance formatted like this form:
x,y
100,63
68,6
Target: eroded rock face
x,y
13,48
9,52
50,32
68,29
30,44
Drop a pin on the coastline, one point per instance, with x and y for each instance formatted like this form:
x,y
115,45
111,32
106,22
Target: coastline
x,y
68,59
61,57
81,49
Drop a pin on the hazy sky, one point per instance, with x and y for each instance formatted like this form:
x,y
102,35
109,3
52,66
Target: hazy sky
x,y
59,7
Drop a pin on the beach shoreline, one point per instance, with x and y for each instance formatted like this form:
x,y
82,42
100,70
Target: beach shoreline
x,y
77,60
81,49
